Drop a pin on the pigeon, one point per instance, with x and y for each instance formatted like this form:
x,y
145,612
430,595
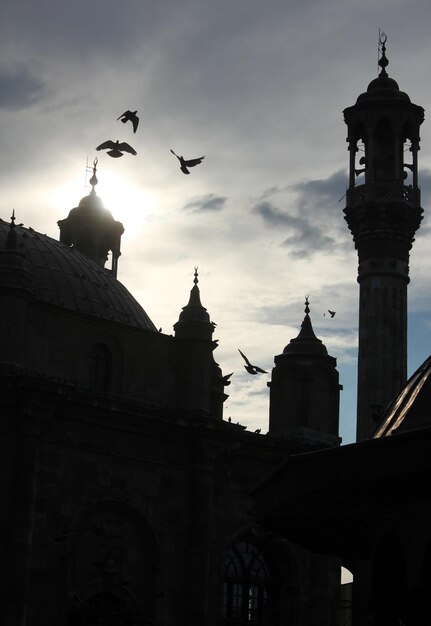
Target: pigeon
x,y
251,369
331,313
130,116
115,148
185,164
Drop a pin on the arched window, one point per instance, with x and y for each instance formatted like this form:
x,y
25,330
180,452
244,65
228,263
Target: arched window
x,y
248,587
100,368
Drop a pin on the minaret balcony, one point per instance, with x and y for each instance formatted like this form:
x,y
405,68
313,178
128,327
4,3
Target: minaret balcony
x,y
383,192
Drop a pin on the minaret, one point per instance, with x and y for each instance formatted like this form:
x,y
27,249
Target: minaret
x,y
383,213
91,229
304,390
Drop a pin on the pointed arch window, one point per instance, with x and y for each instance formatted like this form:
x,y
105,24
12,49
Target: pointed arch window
x,y
100,368
248,587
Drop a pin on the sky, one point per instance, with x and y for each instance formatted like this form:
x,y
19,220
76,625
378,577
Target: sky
x,y
258,88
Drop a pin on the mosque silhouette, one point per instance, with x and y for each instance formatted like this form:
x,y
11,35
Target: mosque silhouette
x,y
130,500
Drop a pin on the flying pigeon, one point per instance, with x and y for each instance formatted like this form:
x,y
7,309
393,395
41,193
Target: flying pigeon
x,y
185,164
331,313
115,148
130,116
251,369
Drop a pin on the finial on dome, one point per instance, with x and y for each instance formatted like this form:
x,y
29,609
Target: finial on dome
x,y
196,279
307,308
383,61
93,179
11,242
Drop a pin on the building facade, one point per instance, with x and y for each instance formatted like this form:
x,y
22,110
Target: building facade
x,y
127,493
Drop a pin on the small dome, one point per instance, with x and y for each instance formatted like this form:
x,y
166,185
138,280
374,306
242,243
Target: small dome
x,y
91,202
383,88
91,205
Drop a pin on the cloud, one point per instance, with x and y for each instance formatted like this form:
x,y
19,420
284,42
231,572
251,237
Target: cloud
x,y
325,193
305,238
19,89
314,218
208,202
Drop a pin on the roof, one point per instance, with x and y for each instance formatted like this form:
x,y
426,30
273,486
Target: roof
x,y
63,277
410,410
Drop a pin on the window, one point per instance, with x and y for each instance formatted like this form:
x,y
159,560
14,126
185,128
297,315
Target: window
x,y
247,587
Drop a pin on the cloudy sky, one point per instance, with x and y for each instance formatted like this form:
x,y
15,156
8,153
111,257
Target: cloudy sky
x,y
258,87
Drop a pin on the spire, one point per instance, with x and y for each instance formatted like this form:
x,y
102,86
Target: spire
x,y
11,243
194,311
306,341
197,389
195,298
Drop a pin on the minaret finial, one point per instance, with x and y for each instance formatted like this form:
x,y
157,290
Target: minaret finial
x,y
383,61
12,219
307,308
196,279
93,179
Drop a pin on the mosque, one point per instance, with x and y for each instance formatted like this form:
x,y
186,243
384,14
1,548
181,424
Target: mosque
x,y
130,500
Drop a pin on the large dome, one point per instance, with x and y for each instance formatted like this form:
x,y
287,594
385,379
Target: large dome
x,y
64,277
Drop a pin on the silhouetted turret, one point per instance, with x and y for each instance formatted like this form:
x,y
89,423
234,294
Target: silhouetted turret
x,y
91,229
304,390
200,381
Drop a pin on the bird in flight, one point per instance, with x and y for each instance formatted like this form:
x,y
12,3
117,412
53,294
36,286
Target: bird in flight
x,y
115,148
130,116
331,313
185,164
251,369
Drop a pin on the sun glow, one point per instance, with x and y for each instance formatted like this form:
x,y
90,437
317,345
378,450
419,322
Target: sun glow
x,y
129,203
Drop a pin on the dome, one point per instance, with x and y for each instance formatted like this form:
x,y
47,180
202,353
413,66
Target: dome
x,y
383,88
91,205
63,277
410,410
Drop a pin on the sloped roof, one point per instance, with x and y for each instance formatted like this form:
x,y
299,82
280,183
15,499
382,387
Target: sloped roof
x,y
411,409
66,278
